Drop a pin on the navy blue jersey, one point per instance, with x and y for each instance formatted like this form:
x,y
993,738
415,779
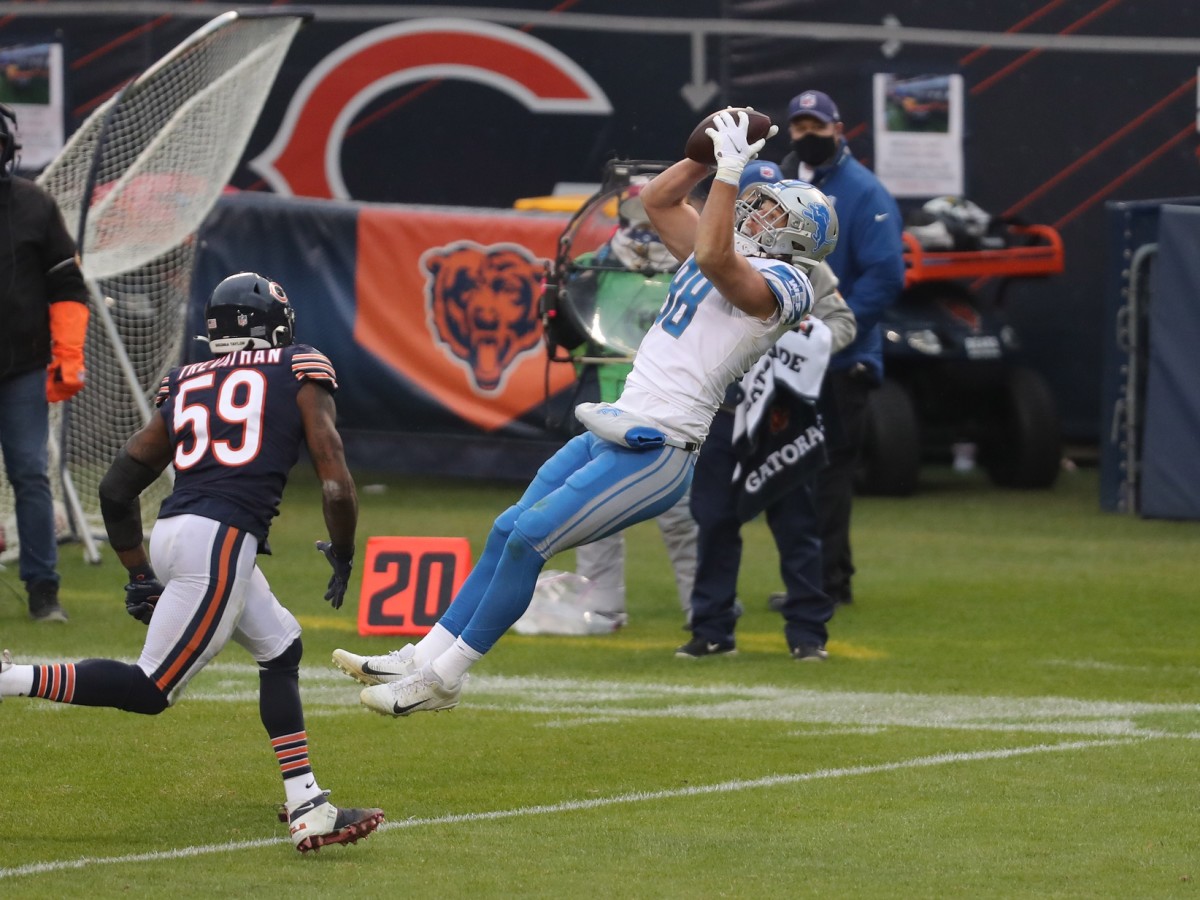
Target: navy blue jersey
x,y
236,432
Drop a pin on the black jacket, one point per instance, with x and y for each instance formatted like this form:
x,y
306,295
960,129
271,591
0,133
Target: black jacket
x,y
37,268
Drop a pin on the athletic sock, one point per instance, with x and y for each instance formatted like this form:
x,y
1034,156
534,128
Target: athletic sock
x,y
17,681
291,752
282,715
89,682
53,682
436,642
453,664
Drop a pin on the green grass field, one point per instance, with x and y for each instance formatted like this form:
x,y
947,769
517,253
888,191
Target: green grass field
x,y
1009,709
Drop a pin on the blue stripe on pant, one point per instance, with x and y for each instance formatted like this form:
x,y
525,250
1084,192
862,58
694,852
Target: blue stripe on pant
x,y
589,489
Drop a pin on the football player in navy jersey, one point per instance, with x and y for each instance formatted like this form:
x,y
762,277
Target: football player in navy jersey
x,y
232,427
741,285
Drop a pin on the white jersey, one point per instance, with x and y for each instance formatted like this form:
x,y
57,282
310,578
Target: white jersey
x,y
701,343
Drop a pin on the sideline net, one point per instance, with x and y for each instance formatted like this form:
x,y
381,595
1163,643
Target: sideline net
x,y
135,182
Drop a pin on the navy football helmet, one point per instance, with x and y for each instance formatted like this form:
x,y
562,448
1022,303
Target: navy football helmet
x,y
248,312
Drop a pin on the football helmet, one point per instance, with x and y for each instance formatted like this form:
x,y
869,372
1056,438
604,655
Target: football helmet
x,y
638,248
966,223
787,219
759,170
248,312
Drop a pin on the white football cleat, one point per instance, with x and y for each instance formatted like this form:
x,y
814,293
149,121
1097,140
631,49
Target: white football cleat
x,y
378,669
315,822
420,692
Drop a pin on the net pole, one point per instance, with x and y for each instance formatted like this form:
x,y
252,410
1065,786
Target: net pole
x,y
91,552
124,363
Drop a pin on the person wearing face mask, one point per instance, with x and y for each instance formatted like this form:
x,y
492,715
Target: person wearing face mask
x,y
869,264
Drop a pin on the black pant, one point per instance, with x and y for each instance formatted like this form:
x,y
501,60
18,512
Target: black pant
x,y
843,406
794,525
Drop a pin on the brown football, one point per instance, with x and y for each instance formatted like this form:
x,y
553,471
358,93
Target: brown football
x,y
700,146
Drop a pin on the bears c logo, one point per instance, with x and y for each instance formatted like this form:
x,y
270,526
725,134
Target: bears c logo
x,y
541,78
482,305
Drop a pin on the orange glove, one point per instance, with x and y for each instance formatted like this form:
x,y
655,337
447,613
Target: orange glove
x,y
68,331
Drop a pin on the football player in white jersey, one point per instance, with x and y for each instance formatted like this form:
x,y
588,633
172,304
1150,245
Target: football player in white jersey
x,y
736,292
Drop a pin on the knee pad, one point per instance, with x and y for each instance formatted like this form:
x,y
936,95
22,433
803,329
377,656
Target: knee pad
x,y
507,520
530,530
286,663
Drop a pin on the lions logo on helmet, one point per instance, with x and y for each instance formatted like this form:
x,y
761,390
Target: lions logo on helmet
x,y
248,312
791,220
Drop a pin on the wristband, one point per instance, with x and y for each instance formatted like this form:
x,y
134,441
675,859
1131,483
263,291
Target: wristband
x,y
729,170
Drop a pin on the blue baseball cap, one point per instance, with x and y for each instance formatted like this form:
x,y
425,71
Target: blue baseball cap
x,y
759,171
817,104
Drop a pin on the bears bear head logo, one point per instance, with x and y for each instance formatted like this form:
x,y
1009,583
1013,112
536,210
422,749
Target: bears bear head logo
x,y
483,305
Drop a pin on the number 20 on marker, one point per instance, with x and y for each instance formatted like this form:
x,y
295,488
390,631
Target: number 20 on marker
x,y
407,582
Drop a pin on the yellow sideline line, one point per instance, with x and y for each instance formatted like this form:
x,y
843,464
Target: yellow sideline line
x,y
750,641
334,623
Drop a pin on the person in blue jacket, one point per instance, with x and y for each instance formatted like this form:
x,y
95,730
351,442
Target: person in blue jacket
x,y
869,264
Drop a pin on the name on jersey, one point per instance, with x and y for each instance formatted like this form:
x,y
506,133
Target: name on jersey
x,y
233,360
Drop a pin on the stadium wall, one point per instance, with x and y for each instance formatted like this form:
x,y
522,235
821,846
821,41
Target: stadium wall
x,y
429,315
485,104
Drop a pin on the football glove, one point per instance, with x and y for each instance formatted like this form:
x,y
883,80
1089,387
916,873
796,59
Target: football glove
x,y
732,147
141,594
68,331
340,579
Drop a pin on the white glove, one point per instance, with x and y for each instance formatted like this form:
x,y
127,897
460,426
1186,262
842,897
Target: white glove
x,y
732,147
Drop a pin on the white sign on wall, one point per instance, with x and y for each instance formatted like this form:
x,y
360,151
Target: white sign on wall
x,y
918,134
31,82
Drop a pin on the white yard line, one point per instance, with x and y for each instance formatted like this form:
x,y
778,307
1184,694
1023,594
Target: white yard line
x,y
723,787
600,702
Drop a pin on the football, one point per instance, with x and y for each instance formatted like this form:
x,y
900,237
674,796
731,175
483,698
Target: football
x,y
700,146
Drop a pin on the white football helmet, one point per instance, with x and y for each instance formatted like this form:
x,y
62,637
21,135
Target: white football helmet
x,y
966,223
639,249
807,235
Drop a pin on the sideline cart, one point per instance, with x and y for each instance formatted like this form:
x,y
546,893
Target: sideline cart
x,y
953,367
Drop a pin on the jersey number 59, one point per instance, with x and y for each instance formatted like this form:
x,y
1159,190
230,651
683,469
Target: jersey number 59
x,y
240,401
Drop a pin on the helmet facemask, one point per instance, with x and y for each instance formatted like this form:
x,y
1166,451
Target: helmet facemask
x,y
789,220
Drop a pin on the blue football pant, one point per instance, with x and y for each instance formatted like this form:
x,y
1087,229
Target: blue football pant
x,y
589,489
602,562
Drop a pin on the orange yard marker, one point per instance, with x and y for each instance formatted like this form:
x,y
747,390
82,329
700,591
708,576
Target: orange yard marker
x,y
408,582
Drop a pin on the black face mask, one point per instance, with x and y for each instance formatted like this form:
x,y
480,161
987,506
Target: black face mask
x,y
815,149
